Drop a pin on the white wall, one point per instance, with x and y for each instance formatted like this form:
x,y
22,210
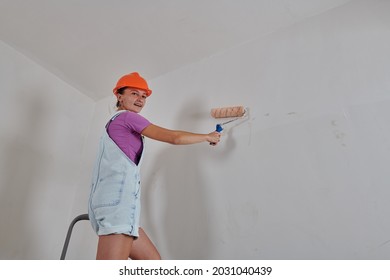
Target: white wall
x,y
84,240
43,124
306,176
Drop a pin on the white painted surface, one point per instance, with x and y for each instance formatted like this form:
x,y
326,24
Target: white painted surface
x,y
91,43
43,124
307,176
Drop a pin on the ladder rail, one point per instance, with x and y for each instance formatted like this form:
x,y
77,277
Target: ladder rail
x,y
81,217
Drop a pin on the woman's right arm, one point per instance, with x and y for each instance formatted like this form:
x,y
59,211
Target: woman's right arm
x,y
179,137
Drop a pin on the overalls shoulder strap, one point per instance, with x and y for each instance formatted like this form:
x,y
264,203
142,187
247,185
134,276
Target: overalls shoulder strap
x,y
114,116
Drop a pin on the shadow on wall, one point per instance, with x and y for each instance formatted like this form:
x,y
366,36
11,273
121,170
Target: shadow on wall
x,y
185,225
21,174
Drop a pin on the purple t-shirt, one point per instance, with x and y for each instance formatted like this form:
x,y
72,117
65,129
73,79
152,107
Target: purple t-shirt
x,y
125,130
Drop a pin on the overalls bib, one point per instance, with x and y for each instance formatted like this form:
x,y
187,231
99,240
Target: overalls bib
x,y
114,203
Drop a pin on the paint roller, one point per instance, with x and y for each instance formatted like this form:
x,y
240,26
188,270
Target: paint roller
x,y
236,112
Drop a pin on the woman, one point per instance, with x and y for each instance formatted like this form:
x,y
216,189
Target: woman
x,y
114,204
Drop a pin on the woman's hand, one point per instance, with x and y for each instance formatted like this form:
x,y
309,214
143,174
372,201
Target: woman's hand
x,y
213,138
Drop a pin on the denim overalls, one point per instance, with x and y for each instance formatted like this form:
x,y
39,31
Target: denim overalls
x,y
114,203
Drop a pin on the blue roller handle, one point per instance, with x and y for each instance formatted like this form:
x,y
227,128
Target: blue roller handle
x,y
219,128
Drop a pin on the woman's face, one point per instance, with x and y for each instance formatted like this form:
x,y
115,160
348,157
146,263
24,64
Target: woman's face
x,y
132,100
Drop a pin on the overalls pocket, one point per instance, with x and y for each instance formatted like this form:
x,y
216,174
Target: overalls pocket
x,y
109,190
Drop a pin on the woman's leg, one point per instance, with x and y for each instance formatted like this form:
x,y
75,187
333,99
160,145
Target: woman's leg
x,y
121,247
143,248
114,247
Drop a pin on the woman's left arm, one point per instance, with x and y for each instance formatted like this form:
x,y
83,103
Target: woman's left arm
x,y
179,137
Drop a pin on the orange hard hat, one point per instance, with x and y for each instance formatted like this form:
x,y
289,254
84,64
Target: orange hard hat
x,y
133,80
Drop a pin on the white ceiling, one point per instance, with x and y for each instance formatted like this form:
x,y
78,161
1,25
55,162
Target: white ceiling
x,y
90,43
